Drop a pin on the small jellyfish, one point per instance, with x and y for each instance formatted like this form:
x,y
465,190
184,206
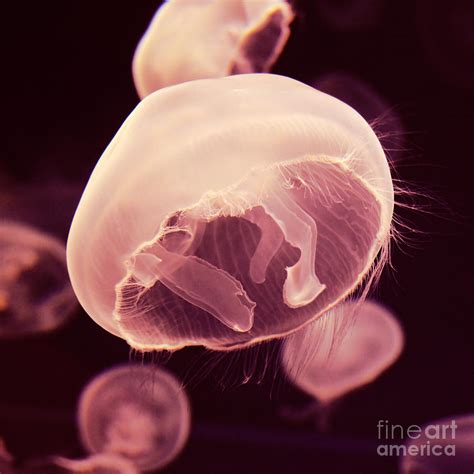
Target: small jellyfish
x,y
35,293
348,348
209,39
136,411
440,447
350,15
362,97
104,463
230,211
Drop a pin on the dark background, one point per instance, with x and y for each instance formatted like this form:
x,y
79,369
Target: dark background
x,y
66,69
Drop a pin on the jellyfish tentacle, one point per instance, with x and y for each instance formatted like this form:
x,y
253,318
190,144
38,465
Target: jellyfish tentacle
x,y
270,242
199,282
302,285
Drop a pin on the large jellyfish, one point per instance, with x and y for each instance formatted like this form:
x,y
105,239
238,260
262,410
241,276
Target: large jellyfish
x,y
441,447
35,293
347,348
136,411
230,211
210,38
362,97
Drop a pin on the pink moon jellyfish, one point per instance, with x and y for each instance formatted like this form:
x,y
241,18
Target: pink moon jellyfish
x,y
230,211
348,348
35,293
362,97
105,463
440,447
136,411
209,39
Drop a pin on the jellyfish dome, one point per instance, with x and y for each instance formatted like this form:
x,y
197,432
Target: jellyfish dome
x,y
35,293
229,211
138,412
443,447
348,348
210,38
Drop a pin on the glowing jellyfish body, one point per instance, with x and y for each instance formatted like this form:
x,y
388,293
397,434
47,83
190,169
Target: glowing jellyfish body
x,y
360,96
443,447
35,293
350,347
208,39
229,211
138,412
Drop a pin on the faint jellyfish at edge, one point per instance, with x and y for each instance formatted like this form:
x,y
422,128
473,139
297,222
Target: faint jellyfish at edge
x,y
209,39
103,463
35,293
6,459
443,447
46,205
230,211
348,348
139,412
350,15
382,117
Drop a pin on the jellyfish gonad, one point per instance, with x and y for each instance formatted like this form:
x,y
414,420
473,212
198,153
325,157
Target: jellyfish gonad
x,y
230,211
209,39
138,412
348,348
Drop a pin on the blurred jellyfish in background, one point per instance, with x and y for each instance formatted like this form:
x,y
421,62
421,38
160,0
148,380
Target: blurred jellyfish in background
x,y
35,293
384,120
136,411
230,211
209,39
6,459
451,54
443,447
106,463
348,348
47,205
349,15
